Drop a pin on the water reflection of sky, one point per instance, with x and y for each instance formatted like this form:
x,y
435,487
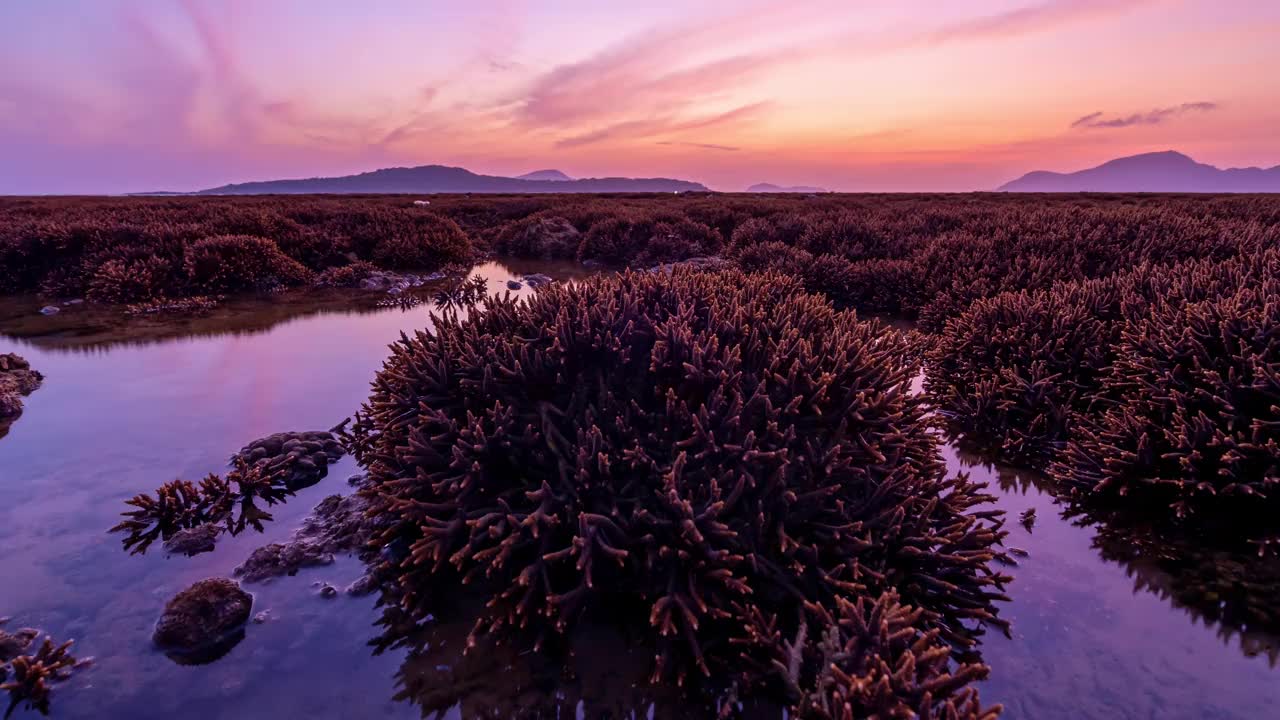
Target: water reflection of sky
x,y
123,419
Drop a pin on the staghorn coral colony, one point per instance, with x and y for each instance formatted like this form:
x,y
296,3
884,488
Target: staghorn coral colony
x,y
722,458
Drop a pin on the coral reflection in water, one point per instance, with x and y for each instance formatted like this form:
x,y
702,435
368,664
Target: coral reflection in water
x,y
1101,632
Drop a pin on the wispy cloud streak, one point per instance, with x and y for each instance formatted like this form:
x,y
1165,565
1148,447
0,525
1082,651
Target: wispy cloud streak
x,y
1099,120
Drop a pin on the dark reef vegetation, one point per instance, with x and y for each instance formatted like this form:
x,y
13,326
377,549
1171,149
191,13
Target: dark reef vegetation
x,y
721,459
1159,383
268,470
29,678
925,256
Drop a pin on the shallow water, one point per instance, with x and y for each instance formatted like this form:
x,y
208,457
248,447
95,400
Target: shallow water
x,y
1090,640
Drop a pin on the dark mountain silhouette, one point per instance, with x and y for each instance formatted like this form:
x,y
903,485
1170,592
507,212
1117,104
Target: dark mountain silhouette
x,y
441,179
544,175
771,188
1167,171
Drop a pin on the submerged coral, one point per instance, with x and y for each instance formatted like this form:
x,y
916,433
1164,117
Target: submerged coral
x,y
33,676
230,502
302,458
695,447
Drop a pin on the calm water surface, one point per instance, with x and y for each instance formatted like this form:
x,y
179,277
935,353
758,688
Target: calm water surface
x,y
1090,639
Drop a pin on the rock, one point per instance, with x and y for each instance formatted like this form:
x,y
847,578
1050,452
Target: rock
x,y
593,264
357,480
262,617
303,456
365,585
537,280
16,380
202,615
513,285
193,541
328,591
49,310
336,525
13,645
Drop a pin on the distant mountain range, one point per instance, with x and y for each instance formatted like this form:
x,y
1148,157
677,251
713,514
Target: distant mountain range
x,y
1167,171
441,179
771,188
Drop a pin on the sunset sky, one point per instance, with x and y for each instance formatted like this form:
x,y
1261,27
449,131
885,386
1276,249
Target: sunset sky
x,y
107,96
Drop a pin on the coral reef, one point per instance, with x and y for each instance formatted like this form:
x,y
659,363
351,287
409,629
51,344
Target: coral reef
x,y
229,502
301,458
34,676
870,659
539,236
683,449
29,678
1013,370
338,524
188,517
241,263
202,616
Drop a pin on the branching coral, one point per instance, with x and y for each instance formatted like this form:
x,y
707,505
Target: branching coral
x,y
239,263
1012,370
230,502
1195,421
693,445
869,658
33,676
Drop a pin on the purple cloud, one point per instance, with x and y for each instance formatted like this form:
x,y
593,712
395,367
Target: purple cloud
x,y
1098,120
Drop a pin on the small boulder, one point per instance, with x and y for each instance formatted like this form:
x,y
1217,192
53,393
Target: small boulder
x,y
13,645
537,280
514,285
49,310
193,541
203,615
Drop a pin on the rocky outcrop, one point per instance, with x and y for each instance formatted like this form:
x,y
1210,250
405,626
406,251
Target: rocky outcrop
x,y
337,525
304,457
16,380
193,541
203,616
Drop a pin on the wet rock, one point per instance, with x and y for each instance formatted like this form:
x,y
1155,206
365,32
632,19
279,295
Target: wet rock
x,y
514,285
537,280
357,480
203,615
16,380
303,456
700,264
13,645
262,617
365,585
336,525
193,541
49,310
328,591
